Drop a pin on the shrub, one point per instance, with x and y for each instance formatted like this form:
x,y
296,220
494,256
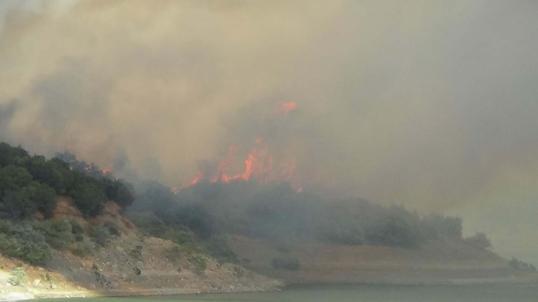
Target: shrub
x,y
521,265
238,271
479,240
100,234
112,228
43,197
343,232
53,173
58,233
82,248
180,236
24,242
77,230
118,191
28,184
13,177
25,201
148,223
17,276
20,196
290,263
174,253
196,218
136,252
11,155
199,263
17,204
436,227
88,195
394,230
218,248
283,247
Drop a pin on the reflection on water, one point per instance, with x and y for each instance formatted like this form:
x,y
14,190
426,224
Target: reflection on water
x,y
463,293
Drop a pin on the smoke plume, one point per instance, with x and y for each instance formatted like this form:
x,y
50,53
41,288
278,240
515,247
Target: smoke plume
x,y
431,104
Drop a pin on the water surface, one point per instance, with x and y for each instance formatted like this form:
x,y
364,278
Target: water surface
x,y
462,293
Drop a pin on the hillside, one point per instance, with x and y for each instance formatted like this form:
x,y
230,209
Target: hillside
x,y
68,228
317,263
302,237
129,263
63,233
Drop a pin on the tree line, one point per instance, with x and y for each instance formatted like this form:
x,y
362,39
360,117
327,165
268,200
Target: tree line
x,y
30,184
279,213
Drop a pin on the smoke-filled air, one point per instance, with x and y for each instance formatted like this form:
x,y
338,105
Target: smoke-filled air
x,y
428,105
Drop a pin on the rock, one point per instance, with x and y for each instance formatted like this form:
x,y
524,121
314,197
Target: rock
x,y
36,282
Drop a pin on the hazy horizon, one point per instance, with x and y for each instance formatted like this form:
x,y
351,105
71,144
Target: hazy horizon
x,y
429,104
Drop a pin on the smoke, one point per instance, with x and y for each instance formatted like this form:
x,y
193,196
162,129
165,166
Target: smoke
x,y
426,103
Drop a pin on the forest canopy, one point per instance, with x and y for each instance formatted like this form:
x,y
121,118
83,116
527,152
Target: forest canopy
x,y
31,183
277,212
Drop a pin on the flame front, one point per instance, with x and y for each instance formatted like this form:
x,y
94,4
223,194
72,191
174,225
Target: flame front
x,y
287,107
258,164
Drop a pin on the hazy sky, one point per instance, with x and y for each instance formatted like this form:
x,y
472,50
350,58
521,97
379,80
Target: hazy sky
x,y
432,104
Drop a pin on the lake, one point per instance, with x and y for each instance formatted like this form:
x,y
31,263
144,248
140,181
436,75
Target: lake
x,y
459,293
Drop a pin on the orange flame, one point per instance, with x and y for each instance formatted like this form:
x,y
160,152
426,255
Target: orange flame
x,y
257,164
287,107
106,171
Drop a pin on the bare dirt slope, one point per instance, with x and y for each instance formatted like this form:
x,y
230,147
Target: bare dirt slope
x,y
133,264
435,262
130,264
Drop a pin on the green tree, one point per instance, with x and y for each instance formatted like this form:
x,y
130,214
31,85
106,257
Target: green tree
x,y
478,240
58,233
44,197
17,204
88,195
54,173
11,155
12,178
118,192
25,201
22,241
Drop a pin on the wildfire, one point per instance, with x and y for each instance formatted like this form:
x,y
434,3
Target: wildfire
x,y
258,164
287,107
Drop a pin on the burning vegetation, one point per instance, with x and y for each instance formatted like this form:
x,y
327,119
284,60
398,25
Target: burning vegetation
x,y
258,202
257,163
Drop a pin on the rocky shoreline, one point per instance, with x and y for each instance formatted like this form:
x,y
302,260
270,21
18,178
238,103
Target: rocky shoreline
x,y
30,293
114,271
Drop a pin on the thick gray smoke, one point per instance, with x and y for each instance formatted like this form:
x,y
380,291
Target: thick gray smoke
x,y
431,104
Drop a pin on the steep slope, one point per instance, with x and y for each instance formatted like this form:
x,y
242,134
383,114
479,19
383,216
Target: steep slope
x,y
129,264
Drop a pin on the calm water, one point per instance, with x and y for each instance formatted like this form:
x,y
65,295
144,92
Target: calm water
x,y
489,293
